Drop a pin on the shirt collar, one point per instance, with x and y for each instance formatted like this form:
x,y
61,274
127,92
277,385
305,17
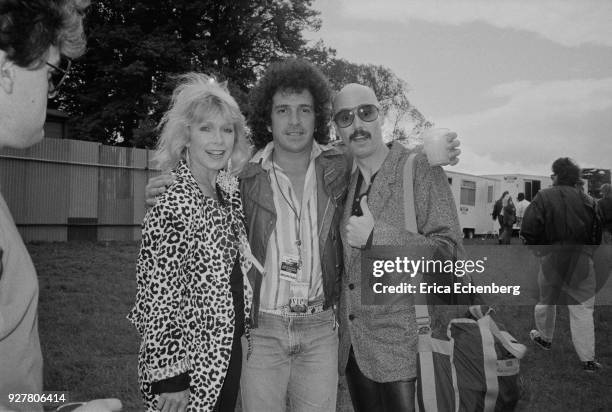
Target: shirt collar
x,y
264,156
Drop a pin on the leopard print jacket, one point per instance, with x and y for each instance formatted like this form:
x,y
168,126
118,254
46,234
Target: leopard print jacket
x,y
184,310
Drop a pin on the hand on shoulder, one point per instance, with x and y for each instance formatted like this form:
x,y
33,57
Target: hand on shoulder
x,y
156,186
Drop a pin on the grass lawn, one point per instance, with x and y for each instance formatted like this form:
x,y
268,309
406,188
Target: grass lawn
x,y
90,349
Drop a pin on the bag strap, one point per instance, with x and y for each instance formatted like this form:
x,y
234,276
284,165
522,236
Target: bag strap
x,y
421,309
508,341
410,223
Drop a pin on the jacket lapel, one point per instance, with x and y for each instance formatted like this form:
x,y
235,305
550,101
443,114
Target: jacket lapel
x,y
256,192
385,183
329,196
350,253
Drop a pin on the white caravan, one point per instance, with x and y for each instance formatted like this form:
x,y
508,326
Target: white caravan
x,y
475,197
520,183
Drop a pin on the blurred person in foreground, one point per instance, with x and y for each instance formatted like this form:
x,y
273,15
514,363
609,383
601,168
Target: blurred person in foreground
x,y
37,40
561,224
193,299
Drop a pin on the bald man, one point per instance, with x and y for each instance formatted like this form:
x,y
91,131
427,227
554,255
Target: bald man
x,y
378,344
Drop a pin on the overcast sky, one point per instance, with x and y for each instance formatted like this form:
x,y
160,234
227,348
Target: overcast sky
x,y
522,82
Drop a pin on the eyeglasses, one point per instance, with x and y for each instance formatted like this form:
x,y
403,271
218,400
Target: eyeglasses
x,y
366,112
58,76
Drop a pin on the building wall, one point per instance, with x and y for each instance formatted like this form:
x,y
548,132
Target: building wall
x,y
65,189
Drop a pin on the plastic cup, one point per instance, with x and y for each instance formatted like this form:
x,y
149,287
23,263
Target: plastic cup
x,y
435,145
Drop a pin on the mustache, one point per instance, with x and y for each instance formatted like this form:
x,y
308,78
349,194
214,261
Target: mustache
x,y
360,132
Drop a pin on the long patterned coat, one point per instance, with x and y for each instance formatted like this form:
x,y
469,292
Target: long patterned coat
x,y
184,309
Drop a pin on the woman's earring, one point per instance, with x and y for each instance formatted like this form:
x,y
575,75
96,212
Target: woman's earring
x,y
187,159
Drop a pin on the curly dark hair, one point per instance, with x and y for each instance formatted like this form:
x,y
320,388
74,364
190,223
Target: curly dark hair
x,y
293,75
567,171
29,28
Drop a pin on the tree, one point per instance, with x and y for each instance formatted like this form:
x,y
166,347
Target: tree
x,y
392,91
118,91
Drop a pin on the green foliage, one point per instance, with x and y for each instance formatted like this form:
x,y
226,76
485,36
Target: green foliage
x,y
392,91
119,89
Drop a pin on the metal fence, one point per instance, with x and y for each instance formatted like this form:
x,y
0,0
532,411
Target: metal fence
x,y
63,189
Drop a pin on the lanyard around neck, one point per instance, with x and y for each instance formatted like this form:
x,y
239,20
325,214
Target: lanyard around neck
x,y
298,240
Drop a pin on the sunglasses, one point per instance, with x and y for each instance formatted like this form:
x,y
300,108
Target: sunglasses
x,y
366,112
58,76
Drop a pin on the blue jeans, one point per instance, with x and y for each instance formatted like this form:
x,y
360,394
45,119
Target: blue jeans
x,y
294,358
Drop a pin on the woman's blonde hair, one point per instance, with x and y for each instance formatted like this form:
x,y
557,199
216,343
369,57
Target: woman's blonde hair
x,y
196,97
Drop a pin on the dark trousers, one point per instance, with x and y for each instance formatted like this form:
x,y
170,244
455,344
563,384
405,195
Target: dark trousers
x,y
229,391
506,235
370,396
231,385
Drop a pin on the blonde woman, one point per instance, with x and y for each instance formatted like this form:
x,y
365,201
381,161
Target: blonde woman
x,y
193,301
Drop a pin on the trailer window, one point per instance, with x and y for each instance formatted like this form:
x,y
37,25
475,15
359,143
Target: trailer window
x,y
489,194
532,187
468,193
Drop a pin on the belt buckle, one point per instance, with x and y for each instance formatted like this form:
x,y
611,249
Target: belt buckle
x,y
298,308
298,304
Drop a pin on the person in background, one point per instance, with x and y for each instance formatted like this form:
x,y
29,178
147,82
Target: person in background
x,y
558,225
521,205
192,304
37,40
604,211
603,256
498,213
508,218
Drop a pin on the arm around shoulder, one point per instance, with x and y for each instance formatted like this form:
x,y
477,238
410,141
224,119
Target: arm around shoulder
x,y
156,186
